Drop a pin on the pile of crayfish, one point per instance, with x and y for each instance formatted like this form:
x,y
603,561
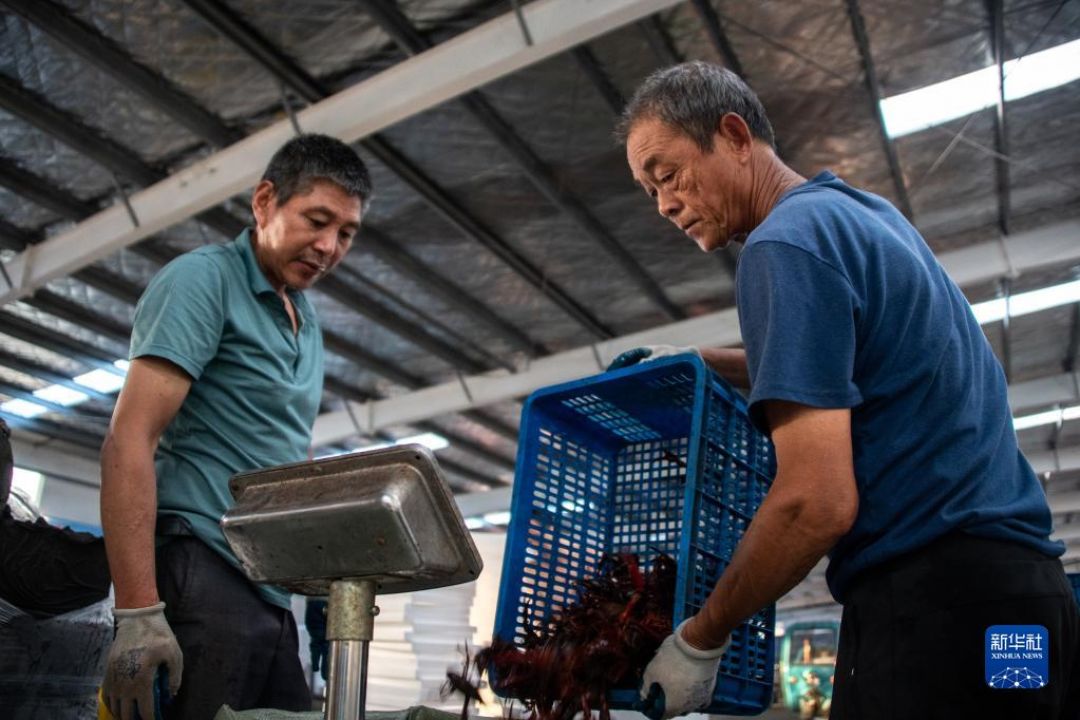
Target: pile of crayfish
x,y
601,642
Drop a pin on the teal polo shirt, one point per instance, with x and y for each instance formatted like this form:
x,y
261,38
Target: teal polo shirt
x,y
256,386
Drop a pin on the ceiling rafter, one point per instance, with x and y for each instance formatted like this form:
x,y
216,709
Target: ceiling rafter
x,y
51,429
42,372
599,77
394,23
65,127
996,11
873,89
41,192
408,265
129,292
103,53
719,39
91,356
288,72
658,40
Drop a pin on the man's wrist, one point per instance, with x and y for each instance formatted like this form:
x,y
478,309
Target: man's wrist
x,y
136,600
694,634
139,611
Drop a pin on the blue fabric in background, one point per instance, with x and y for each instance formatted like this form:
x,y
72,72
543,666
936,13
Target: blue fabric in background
x,y
843,305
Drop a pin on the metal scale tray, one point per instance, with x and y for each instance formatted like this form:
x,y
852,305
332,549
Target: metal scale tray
x,y
385,515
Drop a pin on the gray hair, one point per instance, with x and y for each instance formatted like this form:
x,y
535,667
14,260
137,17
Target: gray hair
x,y
306,158
692,97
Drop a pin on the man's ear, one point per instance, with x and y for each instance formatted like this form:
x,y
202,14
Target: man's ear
x,y
263,201
734,131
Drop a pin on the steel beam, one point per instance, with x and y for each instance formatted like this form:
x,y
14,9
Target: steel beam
x,y
100,51
68,129
659,41
77,313
873,89
356,301
110,283
1052,245
48,428
28,367
1063,389
472,228
58,343
351,393
599,77
996,10
290,74
719,39
390,18
15,238
393,254
23,393
71,131
40,192
1069,365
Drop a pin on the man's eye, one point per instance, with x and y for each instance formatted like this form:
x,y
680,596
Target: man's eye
x,y
666,178
316,223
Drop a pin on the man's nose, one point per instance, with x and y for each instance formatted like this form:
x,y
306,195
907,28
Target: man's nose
x,y
325,241
667,205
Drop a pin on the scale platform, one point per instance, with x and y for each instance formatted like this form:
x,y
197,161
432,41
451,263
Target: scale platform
x,y
381,521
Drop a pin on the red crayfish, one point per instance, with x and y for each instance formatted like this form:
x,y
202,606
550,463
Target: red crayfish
x,y
602,642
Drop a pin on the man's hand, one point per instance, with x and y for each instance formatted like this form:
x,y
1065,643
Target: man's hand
x,y
647,353
143,642
685,674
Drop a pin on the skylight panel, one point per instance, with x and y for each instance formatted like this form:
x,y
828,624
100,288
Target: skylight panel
x,y
23,408
101,380
956,97
1027,302
61,395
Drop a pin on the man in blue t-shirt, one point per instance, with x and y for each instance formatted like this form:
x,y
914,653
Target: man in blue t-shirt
x,y
226,375
896,454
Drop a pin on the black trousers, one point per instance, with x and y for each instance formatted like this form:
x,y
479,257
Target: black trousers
x,y
912,638
238,648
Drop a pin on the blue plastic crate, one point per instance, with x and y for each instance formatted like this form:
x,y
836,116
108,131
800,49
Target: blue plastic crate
x,y
658,457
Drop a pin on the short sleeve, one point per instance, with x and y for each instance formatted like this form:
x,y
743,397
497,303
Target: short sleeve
x,y
181,315
798,316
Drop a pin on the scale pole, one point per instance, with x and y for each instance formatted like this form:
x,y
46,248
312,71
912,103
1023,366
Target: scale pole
x,y
350,626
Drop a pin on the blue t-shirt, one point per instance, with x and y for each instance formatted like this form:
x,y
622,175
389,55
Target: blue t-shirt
x,y
843,305
255,390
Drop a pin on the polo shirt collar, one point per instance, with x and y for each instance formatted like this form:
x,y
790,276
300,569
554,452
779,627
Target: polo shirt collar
x,y
256,279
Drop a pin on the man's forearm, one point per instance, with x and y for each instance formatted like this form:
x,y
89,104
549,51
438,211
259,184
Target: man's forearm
x,y
128,517
779,549
729,363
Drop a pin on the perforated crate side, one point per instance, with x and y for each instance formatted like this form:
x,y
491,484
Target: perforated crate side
x,y
736,473
618,463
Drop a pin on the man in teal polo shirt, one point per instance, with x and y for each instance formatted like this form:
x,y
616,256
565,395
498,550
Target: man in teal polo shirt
x,y
226,375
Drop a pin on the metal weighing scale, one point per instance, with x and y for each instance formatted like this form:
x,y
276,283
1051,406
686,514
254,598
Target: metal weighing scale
x,y
350,527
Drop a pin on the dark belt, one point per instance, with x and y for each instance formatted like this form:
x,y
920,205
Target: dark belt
x,y
173,526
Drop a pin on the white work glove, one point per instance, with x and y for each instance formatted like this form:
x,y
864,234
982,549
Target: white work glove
x,y
144,641
647,353
686,675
